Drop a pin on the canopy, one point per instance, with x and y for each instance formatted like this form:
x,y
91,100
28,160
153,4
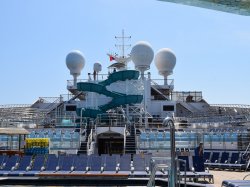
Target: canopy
x,y
13,131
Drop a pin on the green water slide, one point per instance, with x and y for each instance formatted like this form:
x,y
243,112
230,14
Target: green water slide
x,y
123,100
97,88
121,76
118,99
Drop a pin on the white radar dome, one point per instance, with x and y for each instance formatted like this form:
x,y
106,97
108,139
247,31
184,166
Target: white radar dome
x,y
75,62
142,55
97,67
165,61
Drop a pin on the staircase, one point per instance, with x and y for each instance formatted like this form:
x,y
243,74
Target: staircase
x,y
83,146
189,107
130,147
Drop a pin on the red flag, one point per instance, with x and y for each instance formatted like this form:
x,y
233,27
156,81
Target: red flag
x,y
111,58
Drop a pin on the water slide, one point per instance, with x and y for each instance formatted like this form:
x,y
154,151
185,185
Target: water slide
x,y
121,76
118,99
123,100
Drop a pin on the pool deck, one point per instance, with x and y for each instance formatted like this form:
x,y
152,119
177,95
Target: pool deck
x,y
219,176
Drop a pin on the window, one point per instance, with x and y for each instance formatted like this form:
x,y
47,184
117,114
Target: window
x,y
71,108
168,107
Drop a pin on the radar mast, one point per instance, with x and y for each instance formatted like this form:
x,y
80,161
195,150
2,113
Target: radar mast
x,y
121,59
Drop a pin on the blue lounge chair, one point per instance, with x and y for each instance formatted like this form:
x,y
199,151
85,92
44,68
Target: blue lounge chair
x,y
224,161
66,164
234,183
206,156
110,165
52,165
9,165
96,164
24,163
125,164
139,167
214,160
240,164
80,164
36,167
2,158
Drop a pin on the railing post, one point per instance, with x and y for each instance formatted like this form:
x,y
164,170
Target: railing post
x,y
173,171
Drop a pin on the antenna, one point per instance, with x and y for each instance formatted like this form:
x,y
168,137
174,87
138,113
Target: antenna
x,y
122,59
122,45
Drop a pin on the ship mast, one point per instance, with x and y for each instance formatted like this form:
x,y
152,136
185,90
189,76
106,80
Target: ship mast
x,y
121,58
123,45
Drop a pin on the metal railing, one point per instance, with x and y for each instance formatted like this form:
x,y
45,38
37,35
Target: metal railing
x,y
158,167
246,156
187,96
111,120
90,140
160,82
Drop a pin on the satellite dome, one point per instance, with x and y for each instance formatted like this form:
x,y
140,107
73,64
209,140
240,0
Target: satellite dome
x,y
75,62
142,55
97,67
165,61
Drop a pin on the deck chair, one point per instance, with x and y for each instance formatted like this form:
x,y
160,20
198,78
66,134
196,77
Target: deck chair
x,y
80,164
51,165
139,167
9,164
110,164
96,164
125,164
23,166
214,160
36,166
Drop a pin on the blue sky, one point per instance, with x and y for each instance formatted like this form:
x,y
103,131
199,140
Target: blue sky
x,y
212,48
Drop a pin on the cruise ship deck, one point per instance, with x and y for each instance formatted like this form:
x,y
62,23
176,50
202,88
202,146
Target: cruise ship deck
x,y
123,128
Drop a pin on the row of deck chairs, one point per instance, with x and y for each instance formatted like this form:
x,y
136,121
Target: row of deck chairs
x,y
225,160
83,165
73,164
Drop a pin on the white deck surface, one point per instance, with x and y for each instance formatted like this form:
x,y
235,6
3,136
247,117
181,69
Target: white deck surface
x,y
219,176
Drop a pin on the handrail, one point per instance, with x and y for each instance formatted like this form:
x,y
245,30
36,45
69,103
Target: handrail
x,y
231,105
125,137
169,81
246,153
54,105
15,106
158,91
173,172
157,167
89,139
185,172
245,156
